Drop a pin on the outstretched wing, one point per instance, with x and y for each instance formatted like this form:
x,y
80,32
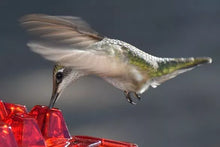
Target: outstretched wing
x,y
91,61
70,31
76,36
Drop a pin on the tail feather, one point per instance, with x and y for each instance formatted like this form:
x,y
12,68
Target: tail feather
x,y
192,62
171,67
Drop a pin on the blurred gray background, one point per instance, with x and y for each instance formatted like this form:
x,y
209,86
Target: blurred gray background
x,y
183,112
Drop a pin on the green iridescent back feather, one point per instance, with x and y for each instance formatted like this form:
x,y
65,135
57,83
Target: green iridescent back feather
x,y
165,65
172,65
138,61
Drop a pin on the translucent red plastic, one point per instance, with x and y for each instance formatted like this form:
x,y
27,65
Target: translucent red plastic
x,y
105,142
25,129
7,138
51,122
3,112
43,127
15,109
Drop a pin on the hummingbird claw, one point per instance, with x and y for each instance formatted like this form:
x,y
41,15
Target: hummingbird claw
x,y
128,97
137,96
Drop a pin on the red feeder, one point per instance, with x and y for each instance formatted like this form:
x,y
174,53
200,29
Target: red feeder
x,y
15,109
7,138
3,112
26,130
43,127
105,142
51,122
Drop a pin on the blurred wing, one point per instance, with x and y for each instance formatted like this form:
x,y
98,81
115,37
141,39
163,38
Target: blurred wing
x,y
88,60
72,31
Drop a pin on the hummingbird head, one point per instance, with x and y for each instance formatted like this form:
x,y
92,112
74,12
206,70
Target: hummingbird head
x,y
61,79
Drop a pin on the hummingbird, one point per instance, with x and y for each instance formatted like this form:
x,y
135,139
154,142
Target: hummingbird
x,y
77,50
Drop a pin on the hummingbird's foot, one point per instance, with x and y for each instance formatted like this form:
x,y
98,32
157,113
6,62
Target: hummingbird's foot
x,y
137,96
128,97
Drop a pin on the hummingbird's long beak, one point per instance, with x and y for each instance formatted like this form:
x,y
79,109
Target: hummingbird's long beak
x,y
53,99
55,94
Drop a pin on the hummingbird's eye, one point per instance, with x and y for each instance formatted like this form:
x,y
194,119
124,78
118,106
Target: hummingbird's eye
x,y
59,77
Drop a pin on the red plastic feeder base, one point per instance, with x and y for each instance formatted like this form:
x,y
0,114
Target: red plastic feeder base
x,y
43,127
